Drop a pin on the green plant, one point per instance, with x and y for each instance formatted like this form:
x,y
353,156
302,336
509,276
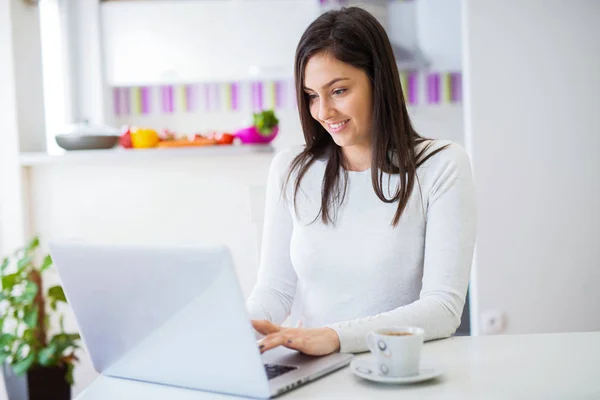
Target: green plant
x,y
265,121
25,315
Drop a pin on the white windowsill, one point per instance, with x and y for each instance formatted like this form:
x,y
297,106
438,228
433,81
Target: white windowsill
x,y
120,154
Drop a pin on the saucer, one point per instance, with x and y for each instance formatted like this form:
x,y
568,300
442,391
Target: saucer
x,y
367,369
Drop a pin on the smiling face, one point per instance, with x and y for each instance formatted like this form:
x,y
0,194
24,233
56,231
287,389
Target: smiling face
x,y
340,99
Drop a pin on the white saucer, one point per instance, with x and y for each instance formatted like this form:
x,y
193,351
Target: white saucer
x,y
367,369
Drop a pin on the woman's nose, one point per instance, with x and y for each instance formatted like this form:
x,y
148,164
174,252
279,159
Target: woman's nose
x,y
325,110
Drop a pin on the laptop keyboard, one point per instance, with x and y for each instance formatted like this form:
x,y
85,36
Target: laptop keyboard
x,y
273,371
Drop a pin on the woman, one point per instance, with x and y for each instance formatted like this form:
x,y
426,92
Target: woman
x,y
373,224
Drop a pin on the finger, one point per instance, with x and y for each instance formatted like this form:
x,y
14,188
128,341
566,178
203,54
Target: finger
x,y
291,339
271,341
265,327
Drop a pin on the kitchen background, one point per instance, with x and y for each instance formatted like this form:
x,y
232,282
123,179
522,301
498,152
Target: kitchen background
x,y
202,65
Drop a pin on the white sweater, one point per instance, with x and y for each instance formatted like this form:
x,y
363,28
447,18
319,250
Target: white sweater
x,y
363,274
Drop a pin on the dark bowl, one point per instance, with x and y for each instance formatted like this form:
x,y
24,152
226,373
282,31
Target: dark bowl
x,y
86,142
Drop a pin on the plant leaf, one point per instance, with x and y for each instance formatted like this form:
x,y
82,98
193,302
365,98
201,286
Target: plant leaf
x,y
5,340
69,374
56,293
47,263
74,336
5,263
22,366
33,244
23,263
9,281
31,317
31,290
47,356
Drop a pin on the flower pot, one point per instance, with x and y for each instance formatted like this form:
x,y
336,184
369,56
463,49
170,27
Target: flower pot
x,y
39,383
251,135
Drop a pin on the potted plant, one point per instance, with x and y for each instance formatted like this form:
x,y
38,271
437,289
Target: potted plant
x,y
36,363
263,130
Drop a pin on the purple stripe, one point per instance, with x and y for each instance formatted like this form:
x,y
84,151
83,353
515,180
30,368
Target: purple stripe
x,y
188,97
234,96
260,96
163,99
431,89
171,102
436,88
278,96
145,95
117,101
253,96
457,87
412,88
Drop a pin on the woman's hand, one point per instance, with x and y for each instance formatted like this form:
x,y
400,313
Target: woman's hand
x,y
314,341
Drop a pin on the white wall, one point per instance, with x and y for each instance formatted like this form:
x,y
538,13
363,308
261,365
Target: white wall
x,y
533,130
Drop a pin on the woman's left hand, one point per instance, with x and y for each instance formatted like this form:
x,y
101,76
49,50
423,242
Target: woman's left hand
x,y
313,341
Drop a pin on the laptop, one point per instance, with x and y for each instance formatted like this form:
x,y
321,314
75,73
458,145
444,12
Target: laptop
x,y
176,316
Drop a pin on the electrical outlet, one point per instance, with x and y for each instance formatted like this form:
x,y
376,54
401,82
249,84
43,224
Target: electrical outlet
x,y
492,322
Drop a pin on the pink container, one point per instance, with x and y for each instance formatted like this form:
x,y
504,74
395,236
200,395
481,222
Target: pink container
x,y
252,135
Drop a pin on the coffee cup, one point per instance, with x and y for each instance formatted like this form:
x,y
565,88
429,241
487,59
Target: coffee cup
x,y
397,350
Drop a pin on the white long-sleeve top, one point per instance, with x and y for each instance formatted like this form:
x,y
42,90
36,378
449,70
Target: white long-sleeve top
x,y
362,273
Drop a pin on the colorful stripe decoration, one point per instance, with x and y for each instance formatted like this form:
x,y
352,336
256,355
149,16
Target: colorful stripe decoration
x,y
418,88
412,89
433,88
257,96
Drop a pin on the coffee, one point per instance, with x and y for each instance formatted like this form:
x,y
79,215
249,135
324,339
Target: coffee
x,y
396,333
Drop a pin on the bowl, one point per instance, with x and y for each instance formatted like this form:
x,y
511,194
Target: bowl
x,y
252,135
77,141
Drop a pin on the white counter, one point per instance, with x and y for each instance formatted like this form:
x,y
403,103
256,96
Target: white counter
x,y
119,154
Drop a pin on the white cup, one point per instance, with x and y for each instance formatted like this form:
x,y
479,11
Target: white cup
x,y
397,350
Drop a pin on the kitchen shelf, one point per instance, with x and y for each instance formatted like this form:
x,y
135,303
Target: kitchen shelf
x,y
120,154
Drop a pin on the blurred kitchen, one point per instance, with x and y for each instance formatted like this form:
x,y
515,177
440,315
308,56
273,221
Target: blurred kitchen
x,y
188,101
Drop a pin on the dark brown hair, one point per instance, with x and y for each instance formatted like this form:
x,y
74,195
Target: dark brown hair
x,y
353,36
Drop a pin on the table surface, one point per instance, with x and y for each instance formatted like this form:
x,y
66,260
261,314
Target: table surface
x,y
548,366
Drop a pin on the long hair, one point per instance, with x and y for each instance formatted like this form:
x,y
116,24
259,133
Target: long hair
x,y
353,36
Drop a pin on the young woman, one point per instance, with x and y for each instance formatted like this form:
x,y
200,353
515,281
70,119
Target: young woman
x,y
370,223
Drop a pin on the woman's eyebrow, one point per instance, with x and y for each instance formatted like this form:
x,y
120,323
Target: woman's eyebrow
x,y
329,83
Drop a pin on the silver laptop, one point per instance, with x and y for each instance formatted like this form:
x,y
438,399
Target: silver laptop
x,y
175,315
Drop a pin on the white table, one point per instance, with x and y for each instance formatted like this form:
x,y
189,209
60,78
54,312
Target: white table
x,y
540,366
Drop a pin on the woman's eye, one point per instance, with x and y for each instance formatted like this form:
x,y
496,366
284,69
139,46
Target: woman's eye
x,y
312,96
338,92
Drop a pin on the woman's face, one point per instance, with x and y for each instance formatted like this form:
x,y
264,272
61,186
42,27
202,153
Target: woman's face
x,y
340,99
